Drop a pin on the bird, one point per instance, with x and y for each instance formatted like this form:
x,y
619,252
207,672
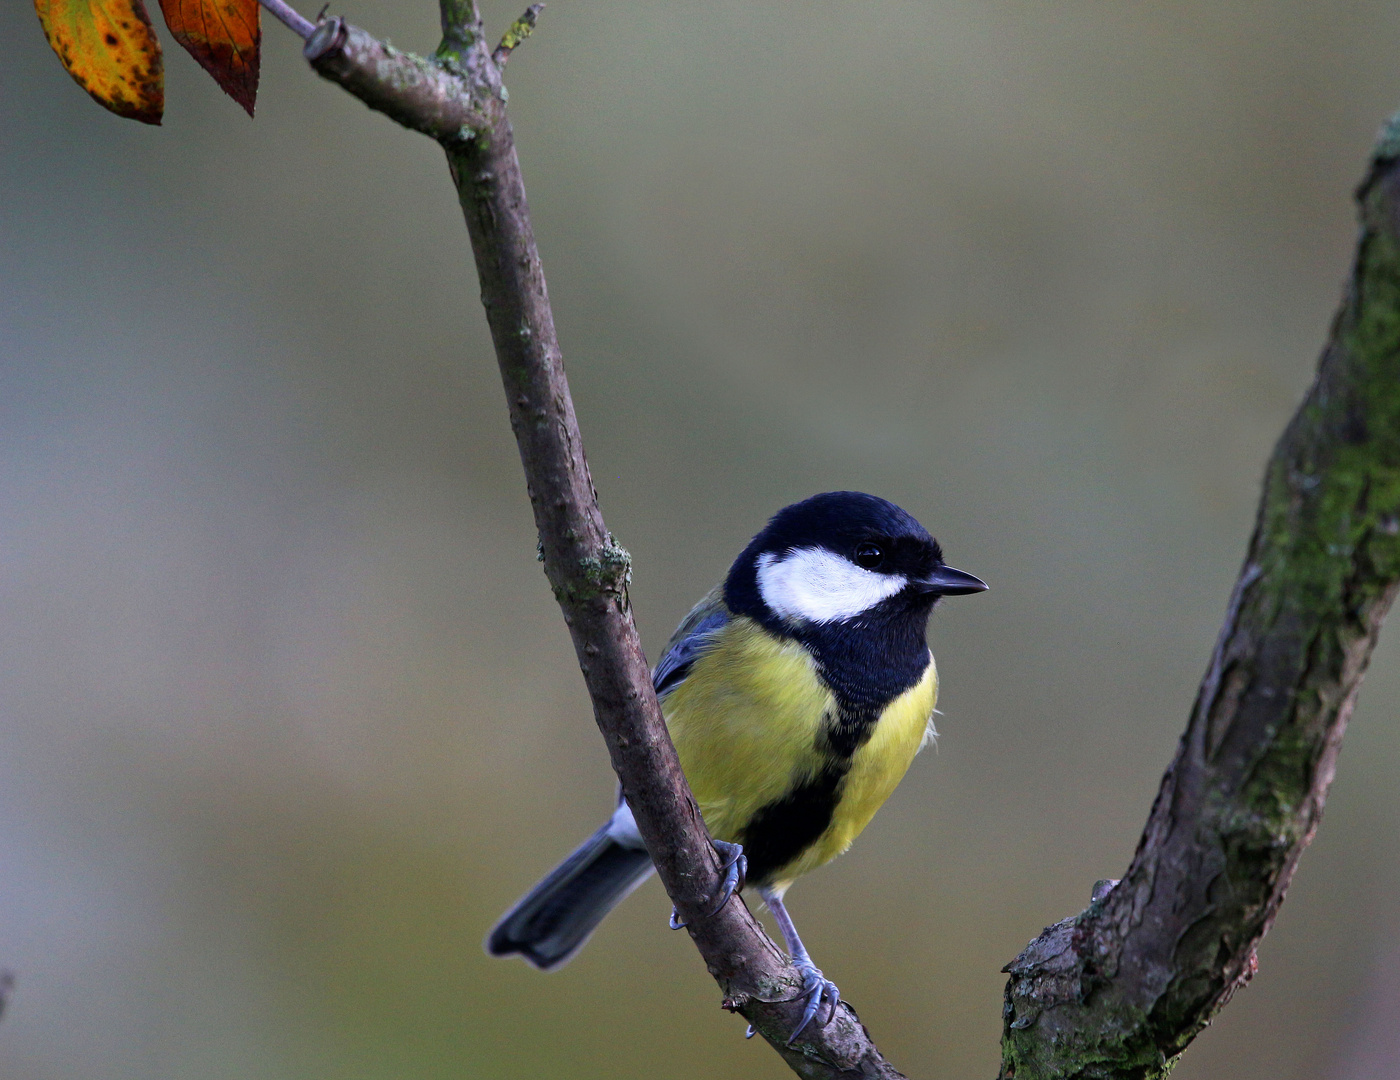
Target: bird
x,y
797,693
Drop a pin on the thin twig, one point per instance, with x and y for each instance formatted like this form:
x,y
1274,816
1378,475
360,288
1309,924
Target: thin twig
x,y
294,20
519,30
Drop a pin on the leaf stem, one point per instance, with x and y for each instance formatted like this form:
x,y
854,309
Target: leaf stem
x,y
296,22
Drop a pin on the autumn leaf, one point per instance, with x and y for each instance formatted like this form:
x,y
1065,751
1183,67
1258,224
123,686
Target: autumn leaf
x,y
223,35
111,51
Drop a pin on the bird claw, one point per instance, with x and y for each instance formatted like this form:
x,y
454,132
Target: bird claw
x,y
735,868
816,989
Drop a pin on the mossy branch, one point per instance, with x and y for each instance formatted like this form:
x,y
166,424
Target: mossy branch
x,y
1119,991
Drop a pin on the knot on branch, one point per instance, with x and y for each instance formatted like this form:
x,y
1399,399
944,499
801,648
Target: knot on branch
x,y
452,97
608,573
1064,964
1055,1021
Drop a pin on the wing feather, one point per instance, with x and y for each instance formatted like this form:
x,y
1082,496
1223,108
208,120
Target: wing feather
x,y
690,641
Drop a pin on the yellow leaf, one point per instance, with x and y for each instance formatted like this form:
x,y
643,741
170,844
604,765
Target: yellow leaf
x,y
111,51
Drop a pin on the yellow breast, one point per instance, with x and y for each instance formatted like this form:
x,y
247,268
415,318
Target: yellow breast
x,y
876,770
746,721
745,724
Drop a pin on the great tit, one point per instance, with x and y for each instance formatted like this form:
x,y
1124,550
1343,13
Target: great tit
x,y
797,694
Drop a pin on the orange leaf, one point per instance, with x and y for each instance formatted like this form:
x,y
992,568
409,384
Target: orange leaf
x,y
223,35
111,51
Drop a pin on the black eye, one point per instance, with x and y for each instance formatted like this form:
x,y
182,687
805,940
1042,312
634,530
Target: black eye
x,y
869,555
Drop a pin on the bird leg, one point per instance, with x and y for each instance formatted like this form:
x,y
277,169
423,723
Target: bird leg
x,y
817,988
734,868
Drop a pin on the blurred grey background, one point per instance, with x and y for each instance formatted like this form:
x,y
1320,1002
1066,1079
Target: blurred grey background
x,y
287,713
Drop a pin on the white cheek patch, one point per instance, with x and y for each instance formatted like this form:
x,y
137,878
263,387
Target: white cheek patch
x,y
820,586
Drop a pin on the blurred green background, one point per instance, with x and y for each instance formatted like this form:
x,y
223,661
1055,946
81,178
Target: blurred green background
x,y
287,713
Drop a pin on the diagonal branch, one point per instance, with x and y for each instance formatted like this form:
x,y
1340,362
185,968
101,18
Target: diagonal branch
x,y
1120,990
457,99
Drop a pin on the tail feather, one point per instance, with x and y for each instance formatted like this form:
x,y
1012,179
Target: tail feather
x,y
553,920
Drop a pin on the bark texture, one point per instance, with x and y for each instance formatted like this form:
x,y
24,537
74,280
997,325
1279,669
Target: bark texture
x,y
1121,989
457,99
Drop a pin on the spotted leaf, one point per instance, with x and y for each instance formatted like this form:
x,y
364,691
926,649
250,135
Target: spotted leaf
x,y
111,51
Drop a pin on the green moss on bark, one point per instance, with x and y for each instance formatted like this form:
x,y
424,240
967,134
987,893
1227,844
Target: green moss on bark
x,y
1120,991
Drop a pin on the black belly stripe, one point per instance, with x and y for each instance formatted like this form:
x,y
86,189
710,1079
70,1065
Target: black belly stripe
x,y
782,830
848,732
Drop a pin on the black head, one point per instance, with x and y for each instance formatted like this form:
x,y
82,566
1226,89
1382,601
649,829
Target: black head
x,y
839,558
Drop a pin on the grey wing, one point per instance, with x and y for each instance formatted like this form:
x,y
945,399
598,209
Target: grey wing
x,y
694,635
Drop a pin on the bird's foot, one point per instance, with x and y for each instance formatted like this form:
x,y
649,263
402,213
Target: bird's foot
x,y
734,868
816,989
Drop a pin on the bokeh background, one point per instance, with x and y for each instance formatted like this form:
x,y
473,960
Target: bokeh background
x,y
287,713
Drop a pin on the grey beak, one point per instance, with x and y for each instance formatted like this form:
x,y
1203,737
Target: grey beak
x,y
949,582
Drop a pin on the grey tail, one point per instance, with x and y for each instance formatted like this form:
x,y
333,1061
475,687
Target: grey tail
x,y
553,920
